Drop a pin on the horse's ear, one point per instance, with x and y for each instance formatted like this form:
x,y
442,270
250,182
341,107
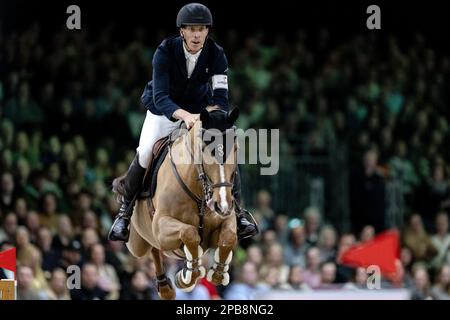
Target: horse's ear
x,y
233,115
204,115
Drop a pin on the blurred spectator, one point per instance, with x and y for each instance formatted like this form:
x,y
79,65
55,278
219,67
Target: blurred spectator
x,y
311,274
421,288
359,280
25,289
58,285
50,257
417,240
9,228
441,287
296,280
48,215
140,289
327,243
64,233
7,192
367,234
367,195
107,276
295,251
246,287
327,275
313,219
263,211
90,289
441,240
273,258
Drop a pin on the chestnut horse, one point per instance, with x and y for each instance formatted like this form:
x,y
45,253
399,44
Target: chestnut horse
x,y
193,205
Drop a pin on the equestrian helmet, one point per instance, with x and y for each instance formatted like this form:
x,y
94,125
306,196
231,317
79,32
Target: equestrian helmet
x,y
194,14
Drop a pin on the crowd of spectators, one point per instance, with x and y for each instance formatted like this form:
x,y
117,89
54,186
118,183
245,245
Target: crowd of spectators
x,y
70,118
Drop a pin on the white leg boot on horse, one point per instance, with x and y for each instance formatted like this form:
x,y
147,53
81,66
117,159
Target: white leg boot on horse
x,y
218,274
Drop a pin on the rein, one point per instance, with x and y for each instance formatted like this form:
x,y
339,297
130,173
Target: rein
x,y
207,186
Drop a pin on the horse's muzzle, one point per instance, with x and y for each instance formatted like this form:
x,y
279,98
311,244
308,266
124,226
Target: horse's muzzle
x,y
220,211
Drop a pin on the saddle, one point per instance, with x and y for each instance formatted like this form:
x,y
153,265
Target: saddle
x,y
159,153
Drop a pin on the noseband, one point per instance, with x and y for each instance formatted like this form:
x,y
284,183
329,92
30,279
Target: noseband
x,y
207,185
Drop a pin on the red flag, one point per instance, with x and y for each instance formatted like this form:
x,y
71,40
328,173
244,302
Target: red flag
x,y
8,260
382,251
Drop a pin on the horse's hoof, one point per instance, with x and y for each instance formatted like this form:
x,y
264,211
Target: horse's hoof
x,y
217,279
181,284
166,292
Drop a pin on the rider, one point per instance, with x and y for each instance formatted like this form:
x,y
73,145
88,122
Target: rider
x,y
189,73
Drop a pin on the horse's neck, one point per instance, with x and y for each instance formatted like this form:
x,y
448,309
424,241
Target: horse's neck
x,y
188,172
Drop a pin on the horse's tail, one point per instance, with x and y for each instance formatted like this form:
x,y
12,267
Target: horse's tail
x,y
118,187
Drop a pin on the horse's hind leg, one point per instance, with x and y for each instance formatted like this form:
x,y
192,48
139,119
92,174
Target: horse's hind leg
x,y
165,287
218,274
173,234
137,245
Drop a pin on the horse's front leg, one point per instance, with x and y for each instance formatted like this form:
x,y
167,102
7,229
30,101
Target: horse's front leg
x,y
218,273
172,235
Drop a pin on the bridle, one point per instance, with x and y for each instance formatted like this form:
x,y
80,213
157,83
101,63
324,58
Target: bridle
x,y
207,184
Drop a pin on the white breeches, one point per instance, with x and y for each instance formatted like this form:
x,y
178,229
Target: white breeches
x,y
155,127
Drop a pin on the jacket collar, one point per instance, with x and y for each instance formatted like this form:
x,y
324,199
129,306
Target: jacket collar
x,y
181,58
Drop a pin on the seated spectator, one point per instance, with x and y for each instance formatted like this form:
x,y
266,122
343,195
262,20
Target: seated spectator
x,y
327,243
327,275
313,220
25,288
58,285
8,193
263,212
64,234
416,238
71,255
295,280
140,288
311,275
367,234
32,223
246,287
441,240
421,286
274,259
48,215
441,287
90,289
295,251
107,276
9,228
255,255
50,257
359,280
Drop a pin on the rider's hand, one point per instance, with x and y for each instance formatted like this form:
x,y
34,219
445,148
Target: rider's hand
x,y
190,119
187,117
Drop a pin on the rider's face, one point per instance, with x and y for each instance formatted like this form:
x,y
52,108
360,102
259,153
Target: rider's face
x,y
195,37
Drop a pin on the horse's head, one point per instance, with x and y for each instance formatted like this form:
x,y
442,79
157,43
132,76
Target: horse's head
x,y
219,157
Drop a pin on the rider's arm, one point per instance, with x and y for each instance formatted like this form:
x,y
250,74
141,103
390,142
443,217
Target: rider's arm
x,y
161,83
219,82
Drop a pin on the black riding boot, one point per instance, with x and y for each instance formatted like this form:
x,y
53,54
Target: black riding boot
x,y
132,183
246,224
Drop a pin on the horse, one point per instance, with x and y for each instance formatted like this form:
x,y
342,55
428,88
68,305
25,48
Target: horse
x,y
193,206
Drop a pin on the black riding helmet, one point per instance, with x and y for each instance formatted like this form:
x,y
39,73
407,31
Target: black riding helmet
x,y
194,14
